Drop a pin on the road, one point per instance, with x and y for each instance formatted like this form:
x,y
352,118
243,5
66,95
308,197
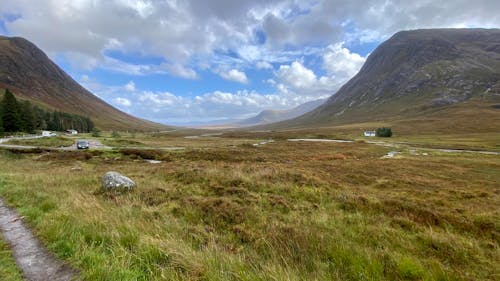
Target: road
x,y
27,137
94,144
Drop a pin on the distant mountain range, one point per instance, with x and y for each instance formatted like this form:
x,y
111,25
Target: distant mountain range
x,y
436,74
30,74
274,115
264,117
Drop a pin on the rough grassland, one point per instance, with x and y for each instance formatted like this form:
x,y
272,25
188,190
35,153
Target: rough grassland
x,y
44,142
282,211
8,269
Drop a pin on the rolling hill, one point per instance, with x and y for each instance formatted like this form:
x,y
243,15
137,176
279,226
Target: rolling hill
x,y
30,74
448,77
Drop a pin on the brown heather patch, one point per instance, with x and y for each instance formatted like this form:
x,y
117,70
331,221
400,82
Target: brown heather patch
x,y
149,154
66,156
217,211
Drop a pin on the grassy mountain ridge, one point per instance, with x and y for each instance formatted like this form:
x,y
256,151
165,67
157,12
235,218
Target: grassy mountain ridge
x,y
420,74
30,74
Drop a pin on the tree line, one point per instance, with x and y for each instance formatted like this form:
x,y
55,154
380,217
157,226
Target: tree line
x,y
22,116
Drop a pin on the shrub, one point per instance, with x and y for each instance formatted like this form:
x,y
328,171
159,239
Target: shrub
x,y
96,132
115,134
384,132
143,153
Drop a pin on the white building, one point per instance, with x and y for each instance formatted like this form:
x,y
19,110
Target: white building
x,y
46,133
370,133
72,132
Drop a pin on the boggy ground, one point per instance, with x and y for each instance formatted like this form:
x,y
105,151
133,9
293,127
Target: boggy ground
x,y
280,211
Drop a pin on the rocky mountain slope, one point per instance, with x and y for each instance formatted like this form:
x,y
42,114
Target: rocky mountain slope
x,y
419,74
29,73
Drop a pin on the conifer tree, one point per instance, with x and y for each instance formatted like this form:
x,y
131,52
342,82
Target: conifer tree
x,y
11,113
39,118
23,116
1,122
384,132
27,117
1,119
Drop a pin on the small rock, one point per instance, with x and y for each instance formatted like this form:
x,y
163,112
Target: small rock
x,y
390,154
114,181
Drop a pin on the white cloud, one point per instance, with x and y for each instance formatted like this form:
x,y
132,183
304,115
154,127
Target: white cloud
x,y
263,65
128,68
296,75
130,86
181,32
143,9
234,75
81,60
340,62
84,78
179,70
168,108
270,81
123,102
119,66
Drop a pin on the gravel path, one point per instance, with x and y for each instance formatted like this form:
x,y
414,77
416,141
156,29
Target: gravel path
x,y
36,263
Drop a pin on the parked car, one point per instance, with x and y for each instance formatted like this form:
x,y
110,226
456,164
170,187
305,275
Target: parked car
x,y
82,144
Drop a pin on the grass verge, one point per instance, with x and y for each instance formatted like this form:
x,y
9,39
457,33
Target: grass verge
x,y
57,141
8,268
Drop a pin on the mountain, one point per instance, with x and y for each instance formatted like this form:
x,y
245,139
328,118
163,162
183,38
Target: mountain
x,y
448,75
272,115
30,74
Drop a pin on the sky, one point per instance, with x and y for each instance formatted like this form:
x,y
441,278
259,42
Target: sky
x,y
191,61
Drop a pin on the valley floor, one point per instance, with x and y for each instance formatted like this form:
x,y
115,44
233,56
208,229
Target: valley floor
x,y
222,208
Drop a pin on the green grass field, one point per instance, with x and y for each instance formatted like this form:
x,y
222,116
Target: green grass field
x,y
223,209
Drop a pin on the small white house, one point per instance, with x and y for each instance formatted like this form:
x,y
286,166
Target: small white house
x,y
72,132
46,133
370,133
